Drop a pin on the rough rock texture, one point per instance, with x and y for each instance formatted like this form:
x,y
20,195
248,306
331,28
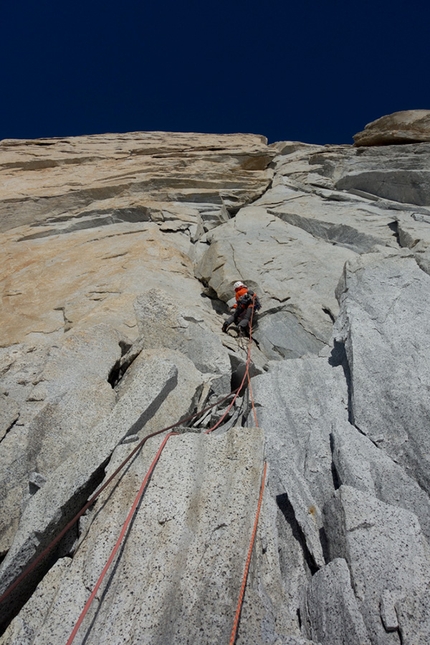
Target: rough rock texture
x,y
81,182
408,126
376,325
74,395
197,511
298,402
362,464
331,611
119,253
385,551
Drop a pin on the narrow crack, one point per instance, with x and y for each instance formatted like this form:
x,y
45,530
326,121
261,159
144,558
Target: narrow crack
x,y
394,227
330,314
339,357
120,367
337,482
12,425
66,322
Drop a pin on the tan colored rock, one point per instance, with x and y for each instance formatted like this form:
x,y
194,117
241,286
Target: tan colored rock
x,y
407,126
92,221
51,284
140,236
53,179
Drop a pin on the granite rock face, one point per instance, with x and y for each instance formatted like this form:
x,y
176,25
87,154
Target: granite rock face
x,y
408,126
376,325
387,554
119,254
331,611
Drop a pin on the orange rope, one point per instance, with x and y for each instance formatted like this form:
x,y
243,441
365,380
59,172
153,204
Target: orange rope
x,y
92,499
120,539
245,376
33,565
248,560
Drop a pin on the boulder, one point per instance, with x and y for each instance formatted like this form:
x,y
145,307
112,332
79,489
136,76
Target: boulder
x,y
407,126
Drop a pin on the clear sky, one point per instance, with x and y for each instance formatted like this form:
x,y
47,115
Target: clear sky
x,y
314,71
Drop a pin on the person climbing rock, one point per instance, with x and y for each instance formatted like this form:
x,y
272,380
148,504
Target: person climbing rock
x,y
247,302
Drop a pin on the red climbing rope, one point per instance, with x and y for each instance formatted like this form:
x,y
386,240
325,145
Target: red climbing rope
x,y
120,538
248,560
139,497
142,489
92,499
245,376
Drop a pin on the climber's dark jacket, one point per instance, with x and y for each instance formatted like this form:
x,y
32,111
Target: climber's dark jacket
x,y
247,302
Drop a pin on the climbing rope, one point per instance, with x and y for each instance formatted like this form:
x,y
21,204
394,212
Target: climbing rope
x,y
120,538
248,560
246,376
94,497
138,498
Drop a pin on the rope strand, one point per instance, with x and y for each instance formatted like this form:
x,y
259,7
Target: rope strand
x,y
93,498
248,560
120,538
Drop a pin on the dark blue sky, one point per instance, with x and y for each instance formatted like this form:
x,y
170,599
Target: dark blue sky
x,y
315,71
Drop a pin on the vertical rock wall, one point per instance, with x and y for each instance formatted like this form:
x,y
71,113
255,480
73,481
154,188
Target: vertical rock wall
x,y
118,258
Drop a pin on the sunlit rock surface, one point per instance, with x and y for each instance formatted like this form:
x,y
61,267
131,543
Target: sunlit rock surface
x,y
119,254
407,126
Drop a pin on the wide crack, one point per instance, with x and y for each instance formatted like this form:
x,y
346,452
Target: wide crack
x,y
118,370
13,604
287,511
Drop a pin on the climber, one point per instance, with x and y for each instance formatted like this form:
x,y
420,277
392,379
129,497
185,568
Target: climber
x,y
247,302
